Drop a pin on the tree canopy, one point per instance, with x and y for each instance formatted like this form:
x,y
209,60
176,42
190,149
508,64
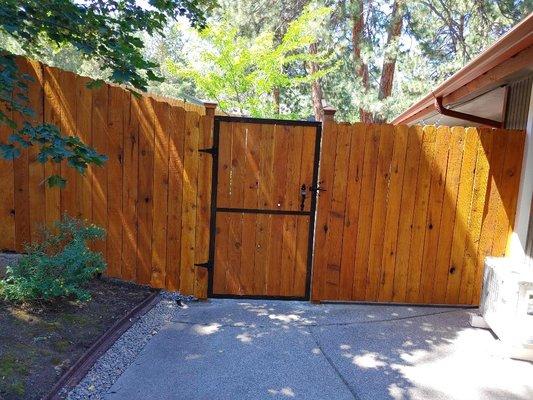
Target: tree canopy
x,y
105,31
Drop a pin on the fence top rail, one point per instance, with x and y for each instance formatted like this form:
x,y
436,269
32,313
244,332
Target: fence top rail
x,y
273,121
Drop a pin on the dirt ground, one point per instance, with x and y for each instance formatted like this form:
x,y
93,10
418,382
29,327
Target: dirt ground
x,y
40,342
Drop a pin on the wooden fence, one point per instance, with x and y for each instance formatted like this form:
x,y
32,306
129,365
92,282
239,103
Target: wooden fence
x,y
152,196
410,213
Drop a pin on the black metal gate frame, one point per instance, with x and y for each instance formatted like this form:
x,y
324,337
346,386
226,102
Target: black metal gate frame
x,y
210,264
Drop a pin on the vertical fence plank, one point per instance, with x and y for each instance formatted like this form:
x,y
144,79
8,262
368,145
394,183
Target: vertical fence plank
x,y
460,239
145,186
327,165
379,212
7,205
366,209
83,130
175,194
203,210
405,224
132,115
117,108
190,189
388,258
36,169
99,135
337,212
351,213
52,115
477,213
21,172
448,215
160,184
434,213
68,107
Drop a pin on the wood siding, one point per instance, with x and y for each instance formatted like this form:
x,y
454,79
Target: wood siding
x,y
152,196
410,213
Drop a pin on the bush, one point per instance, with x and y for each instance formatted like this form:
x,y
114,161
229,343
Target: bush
x,y
58,266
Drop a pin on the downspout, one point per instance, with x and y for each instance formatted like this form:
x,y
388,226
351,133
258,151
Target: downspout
x,y
467,117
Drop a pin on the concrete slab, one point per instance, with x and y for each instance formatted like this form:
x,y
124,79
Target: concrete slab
x,y
253,349
432,357
209,362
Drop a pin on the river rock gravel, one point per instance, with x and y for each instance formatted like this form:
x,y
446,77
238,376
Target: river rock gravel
x,y
123,352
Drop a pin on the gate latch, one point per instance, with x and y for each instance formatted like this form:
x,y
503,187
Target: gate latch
x,y
209,150
317,188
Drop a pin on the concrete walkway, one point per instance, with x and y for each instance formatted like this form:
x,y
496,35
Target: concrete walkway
x,y
245,349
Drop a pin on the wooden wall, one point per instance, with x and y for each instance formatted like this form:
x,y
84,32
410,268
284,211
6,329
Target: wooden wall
x,y
152,196
410,213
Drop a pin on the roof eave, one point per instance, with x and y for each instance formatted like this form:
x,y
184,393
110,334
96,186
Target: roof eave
x,y
514,41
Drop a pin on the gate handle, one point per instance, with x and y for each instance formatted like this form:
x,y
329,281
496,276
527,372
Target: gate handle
x,y
303,193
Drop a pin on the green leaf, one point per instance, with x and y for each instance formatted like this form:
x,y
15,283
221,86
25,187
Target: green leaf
x,y
56,181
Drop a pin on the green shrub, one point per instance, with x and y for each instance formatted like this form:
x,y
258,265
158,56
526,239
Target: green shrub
x,y
58,266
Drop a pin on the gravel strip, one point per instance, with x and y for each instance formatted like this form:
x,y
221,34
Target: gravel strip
x,y
124,351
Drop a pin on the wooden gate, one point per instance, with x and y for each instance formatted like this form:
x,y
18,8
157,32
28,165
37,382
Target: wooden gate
x,y
263,206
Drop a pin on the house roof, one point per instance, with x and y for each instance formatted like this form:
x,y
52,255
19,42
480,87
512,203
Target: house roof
x,y
518,40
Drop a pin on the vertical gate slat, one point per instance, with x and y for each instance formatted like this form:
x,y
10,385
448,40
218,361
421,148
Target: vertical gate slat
x,y
448,215
366,208
337,211
397,169
351,213
381,188
462,217
475,223
405,224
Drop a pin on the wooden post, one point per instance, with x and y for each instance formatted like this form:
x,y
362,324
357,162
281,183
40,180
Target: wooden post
x,y
329,113
204,201
317,280
210,108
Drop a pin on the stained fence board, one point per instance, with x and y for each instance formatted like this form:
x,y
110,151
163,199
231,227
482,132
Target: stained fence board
x,y
259,249
385,187
421,212
99,190
137,196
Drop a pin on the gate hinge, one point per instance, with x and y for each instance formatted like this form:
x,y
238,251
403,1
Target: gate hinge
x,y
209,150
204,265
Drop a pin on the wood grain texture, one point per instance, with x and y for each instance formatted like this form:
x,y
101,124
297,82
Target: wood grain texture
x,y
153,235
422,208
409,214
262,167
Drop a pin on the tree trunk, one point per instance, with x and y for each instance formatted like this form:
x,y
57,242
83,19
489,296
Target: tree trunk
x,y
391,52
316,87
276,97
361,68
